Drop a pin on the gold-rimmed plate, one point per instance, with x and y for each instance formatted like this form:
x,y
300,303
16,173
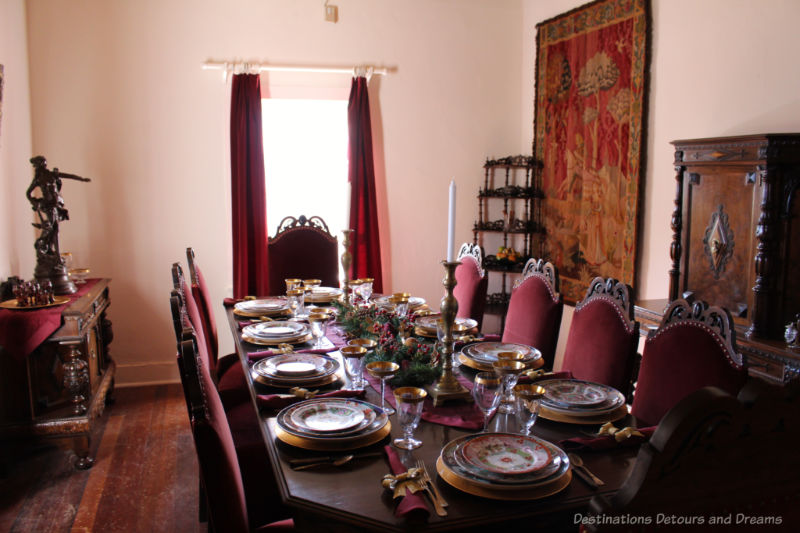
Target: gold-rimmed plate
x,y
475,365
323,294
261,307
582,419
288,384
428,323
274,342
12,304
332,445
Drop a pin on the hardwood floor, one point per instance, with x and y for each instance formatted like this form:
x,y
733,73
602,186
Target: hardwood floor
x,y
145,476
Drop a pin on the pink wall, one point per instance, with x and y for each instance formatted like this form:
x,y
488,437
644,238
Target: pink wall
x,y
118,95
17,256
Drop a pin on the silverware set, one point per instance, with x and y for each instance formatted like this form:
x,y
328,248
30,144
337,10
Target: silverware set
x,y
430,487
586,475
331,460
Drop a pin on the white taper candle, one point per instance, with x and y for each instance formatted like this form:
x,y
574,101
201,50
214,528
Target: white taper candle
x,y
451,223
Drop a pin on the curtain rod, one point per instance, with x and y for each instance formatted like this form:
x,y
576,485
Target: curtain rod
x,y
238,67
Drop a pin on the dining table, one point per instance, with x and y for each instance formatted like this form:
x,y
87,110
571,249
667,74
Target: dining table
x,y
350,497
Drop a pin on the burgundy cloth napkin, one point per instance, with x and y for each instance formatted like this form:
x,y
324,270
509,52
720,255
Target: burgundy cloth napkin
x,y
228,302
22,331
410,503
458,414
492,337
277,401
606,442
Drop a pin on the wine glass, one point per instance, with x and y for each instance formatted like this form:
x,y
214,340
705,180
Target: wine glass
x,y
291,284
486,393
354,288
509,372
410,401
400,303
383,370
528,403
296,301
318,321
365,289
313,283
67,259
353,359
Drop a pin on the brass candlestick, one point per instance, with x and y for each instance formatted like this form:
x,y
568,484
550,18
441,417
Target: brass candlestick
x,y
448,387
347,259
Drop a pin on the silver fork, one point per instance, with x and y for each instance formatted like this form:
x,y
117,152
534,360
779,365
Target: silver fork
x,y
438,502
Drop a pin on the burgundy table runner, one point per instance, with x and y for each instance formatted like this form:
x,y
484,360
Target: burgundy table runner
x,y
22,331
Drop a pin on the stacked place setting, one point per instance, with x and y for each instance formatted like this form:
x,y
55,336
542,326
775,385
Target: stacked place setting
x,y
581,402
269,307
272,333
296,370
426,326
482,355
323,295
331,424
504,466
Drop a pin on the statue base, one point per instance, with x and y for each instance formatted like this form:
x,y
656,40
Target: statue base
x,y
56,272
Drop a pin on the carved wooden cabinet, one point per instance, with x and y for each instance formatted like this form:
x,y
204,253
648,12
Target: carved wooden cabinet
x,y
60,390
736,228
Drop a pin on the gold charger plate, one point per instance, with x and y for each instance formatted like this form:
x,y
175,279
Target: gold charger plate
x,y
270,342
359,441
511,493
533,365
12,304
282,312
614,415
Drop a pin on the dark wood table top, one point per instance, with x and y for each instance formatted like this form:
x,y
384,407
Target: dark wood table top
x,y
350,497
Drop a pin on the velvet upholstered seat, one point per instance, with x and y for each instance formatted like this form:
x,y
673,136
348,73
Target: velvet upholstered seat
x,y
303,248
227,477
693,347
535,309
471,283
603,336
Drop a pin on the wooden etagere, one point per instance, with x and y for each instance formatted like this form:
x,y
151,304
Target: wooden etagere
x,y
512,189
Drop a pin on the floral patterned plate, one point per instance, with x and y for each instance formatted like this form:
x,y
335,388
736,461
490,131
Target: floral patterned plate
x,y
506,453
575,393
486,352
374,420
327,416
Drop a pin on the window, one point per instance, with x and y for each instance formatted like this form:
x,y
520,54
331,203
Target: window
x,y
305,160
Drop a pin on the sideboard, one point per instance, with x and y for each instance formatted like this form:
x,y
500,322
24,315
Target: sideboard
x,y
60,389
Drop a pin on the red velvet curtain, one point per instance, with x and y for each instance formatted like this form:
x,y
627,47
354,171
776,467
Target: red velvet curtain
x,y
365,241
248,196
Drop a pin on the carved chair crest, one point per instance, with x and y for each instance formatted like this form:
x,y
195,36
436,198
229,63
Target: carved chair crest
x,y
475,252
613,291
543,270
715,320
314,222
182,318
192,267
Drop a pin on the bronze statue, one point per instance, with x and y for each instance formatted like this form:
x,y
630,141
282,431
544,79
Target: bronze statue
x,y
49,205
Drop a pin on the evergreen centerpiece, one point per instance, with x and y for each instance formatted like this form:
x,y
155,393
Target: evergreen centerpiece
x,y
419,362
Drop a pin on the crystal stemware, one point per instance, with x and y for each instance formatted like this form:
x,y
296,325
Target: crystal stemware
x,y
486,393
365,290
383,370
292,283
353,360
410,401
313,283
318,321
354,285
509,372
400,303
296,301
528,403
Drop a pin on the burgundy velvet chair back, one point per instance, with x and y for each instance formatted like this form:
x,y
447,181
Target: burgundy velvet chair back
x,y
471,283
535,309
603,336
303,248
203,300
192,311
693,347
216,453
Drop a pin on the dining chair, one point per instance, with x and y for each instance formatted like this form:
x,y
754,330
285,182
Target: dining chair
x,y
603,336
216,451
535,309
693,347
715,454
261,493
203,299
471,283
303,248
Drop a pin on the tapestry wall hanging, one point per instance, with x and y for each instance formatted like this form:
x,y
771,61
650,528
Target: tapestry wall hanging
x,y
591,89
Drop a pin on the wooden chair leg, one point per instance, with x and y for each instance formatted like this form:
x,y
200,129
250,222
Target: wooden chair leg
x,y
82,449
202,511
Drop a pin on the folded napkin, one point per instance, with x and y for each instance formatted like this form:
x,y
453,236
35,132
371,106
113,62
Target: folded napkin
x,y
279,401
609,437
229,302
411,505
533,376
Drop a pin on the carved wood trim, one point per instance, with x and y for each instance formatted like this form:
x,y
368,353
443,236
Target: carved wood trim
x,y
192,267
290,223
619,294
474,252
715,320
545,271
676,224
718,241
764,253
